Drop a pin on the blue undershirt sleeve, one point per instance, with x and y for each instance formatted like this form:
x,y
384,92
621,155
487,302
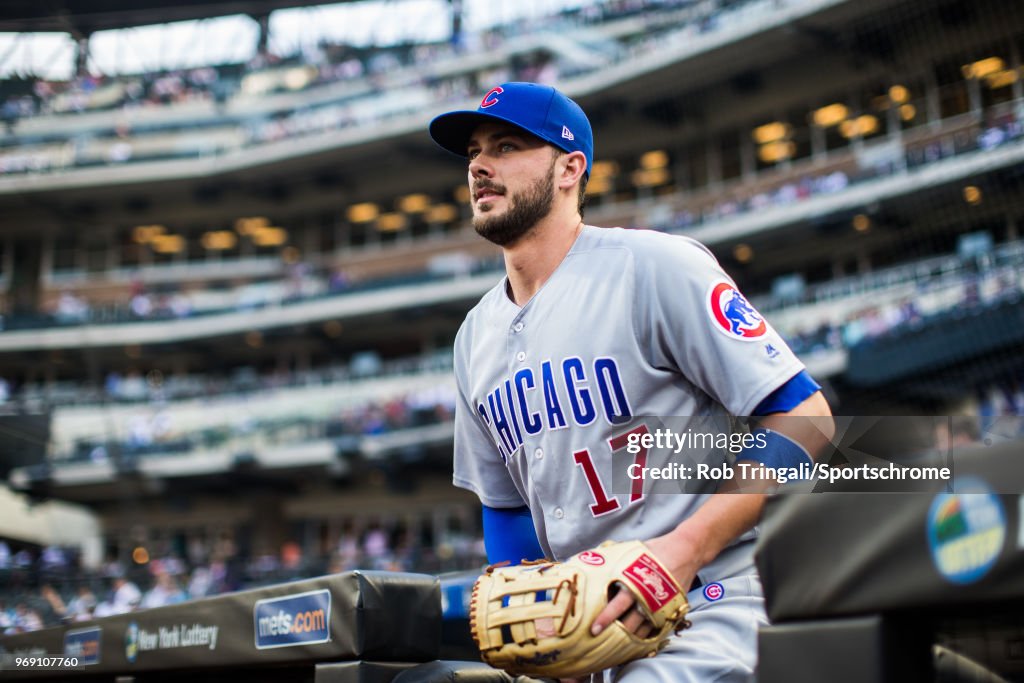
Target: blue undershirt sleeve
x,y
795,391
509,535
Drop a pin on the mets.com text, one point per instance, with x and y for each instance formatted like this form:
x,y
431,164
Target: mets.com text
x,y
282,623
818,471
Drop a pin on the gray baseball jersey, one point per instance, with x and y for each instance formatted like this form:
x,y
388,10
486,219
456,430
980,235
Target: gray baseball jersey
x,y
632,329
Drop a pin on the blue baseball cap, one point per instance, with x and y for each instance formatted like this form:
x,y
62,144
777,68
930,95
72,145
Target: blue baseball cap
x,y
538,109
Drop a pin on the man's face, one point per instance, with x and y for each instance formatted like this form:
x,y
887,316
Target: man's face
x,y
511,181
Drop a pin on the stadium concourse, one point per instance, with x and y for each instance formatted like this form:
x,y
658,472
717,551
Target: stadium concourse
x,y
230,291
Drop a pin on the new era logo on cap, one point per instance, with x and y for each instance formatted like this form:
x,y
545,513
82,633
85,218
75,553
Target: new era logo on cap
x,y
567,134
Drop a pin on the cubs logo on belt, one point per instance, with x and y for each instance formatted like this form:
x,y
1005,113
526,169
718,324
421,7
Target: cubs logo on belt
x,y
732,314
714,591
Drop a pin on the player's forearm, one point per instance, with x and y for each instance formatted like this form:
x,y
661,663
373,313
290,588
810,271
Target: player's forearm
x,y
721,520
698,540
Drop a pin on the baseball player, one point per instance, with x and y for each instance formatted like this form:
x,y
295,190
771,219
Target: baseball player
x,y
593,333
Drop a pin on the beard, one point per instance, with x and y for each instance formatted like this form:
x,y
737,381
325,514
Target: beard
x,y
525,210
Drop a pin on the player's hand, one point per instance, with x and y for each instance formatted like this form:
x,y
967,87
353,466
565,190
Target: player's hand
x,y
678,556
622,607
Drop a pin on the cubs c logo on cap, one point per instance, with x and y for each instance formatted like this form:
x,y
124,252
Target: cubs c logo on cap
x,y
732,314
490,99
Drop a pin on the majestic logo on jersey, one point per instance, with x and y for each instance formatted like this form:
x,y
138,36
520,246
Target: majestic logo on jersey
x,y
732,313
531,401
591,558
491,98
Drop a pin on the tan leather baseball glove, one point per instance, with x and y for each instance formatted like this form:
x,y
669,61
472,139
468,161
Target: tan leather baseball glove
x,y
535,618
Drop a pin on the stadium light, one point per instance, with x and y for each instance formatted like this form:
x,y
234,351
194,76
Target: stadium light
x,y
899,94
743,253
168,244
650,177
654,159
861,223
461,194
983,67
972,195
414,203
442,213
771,132
143,234
249,226
601,177
1001,79
604,169
391,222
862,126
867,124
219,240
598,185
774,152
363,213
830,115
270,237
908,112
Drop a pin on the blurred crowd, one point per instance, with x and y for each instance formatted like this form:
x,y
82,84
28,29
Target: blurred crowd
x,y
749,198
820,317
327,63
91,92
300,282
965,288
50,586
379,73
156,429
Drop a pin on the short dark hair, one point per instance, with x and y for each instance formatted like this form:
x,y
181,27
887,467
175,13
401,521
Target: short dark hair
x,y
582,196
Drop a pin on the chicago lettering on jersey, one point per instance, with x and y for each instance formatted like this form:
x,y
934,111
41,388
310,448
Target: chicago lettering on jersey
x,y
534,400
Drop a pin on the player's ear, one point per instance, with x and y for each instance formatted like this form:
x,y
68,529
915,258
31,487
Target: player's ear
x,y
575,165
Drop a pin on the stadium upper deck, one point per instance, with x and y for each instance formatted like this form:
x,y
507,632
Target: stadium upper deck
x,y
640,107
767,125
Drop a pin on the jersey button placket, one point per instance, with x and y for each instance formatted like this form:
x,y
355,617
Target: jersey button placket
x,y
559,513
